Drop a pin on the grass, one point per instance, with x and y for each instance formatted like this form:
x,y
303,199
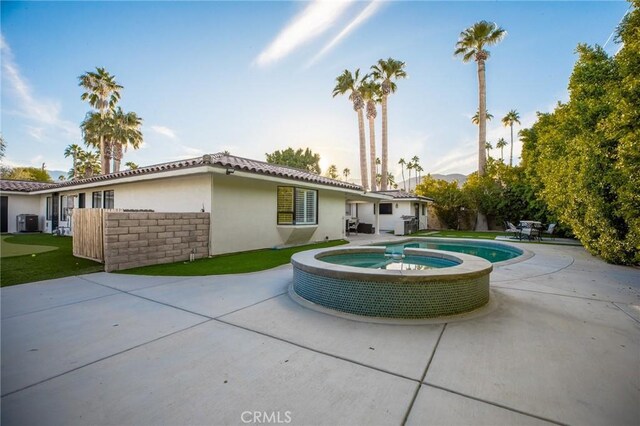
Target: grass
x,y
57,263
234,263
485,235
8,249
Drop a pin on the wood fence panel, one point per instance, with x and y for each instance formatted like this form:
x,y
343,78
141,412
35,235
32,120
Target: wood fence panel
x,y
88,233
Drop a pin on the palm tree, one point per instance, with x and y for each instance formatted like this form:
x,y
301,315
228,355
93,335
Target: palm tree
x,y
346,172
391,181
351,83
508,120
103,93
96,132
72,151
471,45
402,163
131,165
378,163
409,168
332,172
488,147
416,166
125,132
371,93
476,118
419,170
501,144
385,72
88,163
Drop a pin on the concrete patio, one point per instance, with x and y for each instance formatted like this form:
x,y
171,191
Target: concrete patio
x,y
562,346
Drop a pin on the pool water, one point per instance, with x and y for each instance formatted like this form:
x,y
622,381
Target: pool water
x,y
493,252
380,261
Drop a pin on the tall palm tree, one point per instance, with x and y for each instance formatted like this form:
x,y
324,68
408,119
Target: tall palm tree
x,y
103,93
125,132
419,170
96,132
351,83
72,151
416,166
476,118
346,172
332,172
501,144
402,162
378,164
409,168
88,163
391,181
371,93
385,72
510,119
471,45
488,147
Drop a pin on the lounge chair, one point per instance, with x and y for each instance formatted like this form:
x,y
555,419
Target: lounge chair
x,y
510,227
549,230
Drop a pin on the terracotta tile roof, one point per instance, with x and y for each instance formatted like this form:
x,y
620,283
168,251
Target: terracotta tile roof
x,y
23,185
401,194
219,159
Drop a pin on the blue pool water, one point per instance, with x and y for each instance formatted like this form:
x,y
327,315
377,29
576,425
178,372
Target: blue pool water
x,y
382,261
493,252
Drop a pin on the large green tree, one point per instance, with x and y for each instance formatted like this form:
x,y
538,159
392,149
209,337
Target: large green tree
x,y
586,153
385,72
26,173
102,93
472,44
303,159
351,83
125,132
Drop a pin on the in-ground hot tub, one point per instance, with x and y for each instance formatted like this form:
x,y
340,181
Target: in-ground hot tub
x,y
435,284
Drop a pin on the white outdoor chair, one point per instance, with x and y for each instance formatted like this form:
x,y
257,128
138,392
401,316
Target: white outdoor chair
x,y
352,225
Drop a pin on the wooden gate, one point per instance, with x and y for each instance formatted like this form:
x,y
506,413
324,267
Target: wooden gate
x,y
88,233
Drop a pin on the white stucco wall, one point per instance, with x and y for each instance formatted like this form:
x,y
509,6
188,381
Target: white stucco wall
x,y
244,216
21,204
388,222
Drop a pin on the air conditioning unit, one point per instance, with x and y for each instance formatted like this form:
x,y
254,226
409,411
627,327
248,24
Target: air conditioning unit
x,y
27,223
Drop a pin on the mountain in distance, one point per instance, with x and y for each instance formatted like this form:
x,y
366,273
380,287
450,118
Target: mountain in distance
x,y
55,173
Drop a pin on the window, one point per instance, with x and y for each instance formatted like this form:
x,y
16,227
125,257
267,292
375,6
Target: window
x,y
48,208
424,210
81,200
385,208
96,201
108,199
297,206
64,210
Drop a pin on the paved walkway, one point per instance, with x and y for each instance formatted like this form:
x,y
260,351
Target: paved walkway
x,y
562,346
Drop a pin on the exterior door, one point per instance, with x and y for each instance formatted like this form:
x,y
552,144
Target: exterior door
x,y
55,211
4,214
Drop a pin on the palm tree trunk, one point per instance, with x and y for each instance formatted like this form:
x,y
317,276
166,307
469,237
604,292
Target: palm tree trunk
x,y
511,158
481,220
363,151
404,182
372,152
385,144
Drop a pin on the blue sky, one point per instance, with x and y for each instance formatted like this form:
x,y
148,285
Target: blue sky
x,y
252,77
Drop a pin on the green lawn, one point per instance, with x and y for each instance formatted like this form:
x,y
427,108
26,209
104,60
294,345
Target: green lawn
x,y
57,263
8,249
235,263
485,235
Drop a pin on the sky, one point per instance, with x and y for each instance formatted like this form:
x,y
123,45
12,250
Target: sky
x,y
253,77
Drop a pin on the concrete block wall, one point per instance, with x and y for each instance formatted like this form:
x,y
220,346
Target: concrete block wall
x,y
139,239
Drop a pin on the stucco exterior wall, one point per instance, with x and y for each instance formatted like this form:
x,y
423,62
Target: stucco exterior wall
x,y
21,204
389,221
244,216
174,194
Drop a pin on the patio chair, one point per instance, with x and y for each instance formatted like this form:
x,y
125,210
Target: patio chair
x,y
531,233
352,225
510,227
549,230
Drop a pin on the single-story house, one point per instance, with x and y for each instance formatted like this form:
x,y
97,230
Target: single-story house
x,y
252,204
393,212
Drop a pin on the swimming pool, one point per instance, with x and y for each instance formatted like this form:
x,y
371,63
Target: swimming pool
x,y
388,262
492,251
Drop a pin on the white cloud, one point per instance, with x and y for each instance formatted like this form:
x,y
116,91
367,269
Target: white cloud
x,y
164,131
362,17
44,112
313,21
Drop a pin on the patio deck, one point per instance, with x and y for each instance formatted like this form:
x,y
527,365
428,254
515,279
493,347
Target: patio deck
x,y
562,346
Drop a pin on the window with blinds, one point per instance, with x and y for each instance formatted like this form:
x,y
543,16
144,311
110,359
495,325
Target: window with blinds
x,y
297,206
